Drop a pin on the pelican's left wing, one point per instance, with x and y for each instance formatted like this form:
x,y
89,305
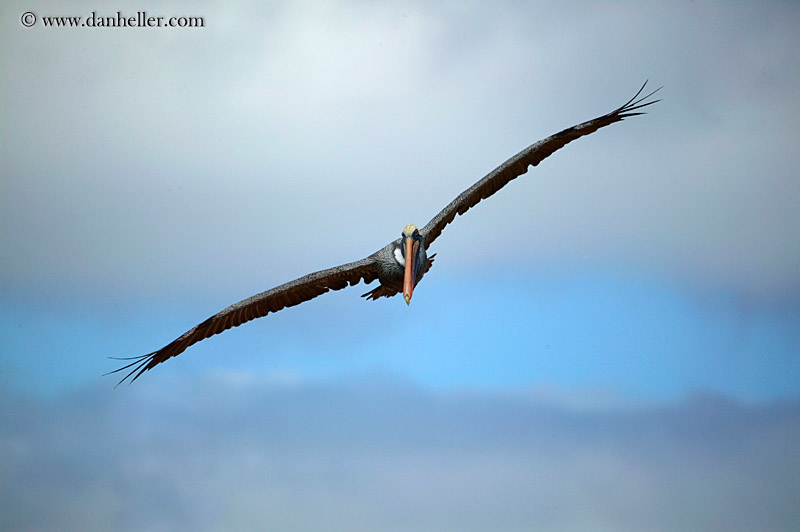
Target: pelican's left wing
x,y
530,156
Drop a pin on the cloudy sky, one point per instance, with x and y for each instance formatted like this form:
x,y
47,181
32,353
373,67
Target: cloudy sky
x,y
609,343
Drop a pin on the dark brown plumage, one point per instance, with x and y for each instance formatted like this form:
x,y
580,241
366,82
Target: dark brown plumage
x,y
386,264
530,156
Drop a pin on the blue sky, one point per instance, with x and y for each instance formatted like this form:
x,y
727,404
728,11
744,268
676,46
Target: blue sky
x,y
638,337
635,298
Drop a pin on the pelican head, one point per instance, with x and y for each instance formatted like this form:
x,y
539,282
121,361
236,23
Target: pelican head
x,y
410,242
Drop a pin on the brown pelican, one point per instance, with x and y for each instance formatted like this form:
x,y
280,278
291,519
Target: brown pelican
x,y
399,266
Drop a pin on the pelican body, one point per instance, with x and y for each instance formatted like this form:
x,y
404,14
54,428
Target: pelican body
x,y
399,266
396,271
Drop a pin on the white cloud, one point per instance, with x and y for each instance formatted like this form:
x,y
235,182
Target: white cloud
x,y
184,151
382,455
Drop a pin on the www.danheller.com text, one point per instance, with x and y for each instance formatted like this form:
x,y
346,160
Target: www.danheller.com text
x,y
140,20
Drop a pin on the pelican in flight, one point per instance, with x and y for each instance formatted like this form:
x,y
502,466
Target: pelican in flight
x,y
399,266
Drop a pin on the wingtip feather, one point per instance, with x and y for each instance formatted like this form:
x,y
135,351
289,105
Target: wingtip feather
x,y
139,365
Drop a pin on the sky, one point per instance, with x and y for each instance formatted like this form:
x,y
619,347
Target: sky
x,y
608,343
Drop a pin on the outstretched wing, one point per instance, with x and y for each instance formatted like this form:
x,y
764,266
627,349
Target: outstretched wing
x,y
530,156
257,306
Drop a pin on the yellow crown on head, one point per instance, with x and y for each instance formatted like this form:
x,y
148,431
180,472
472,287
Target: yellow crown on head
x,y
409,230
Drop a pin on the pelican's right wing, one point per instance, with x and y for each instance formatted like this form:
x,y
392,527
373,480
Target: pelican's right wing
x,y
530,156
257,306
